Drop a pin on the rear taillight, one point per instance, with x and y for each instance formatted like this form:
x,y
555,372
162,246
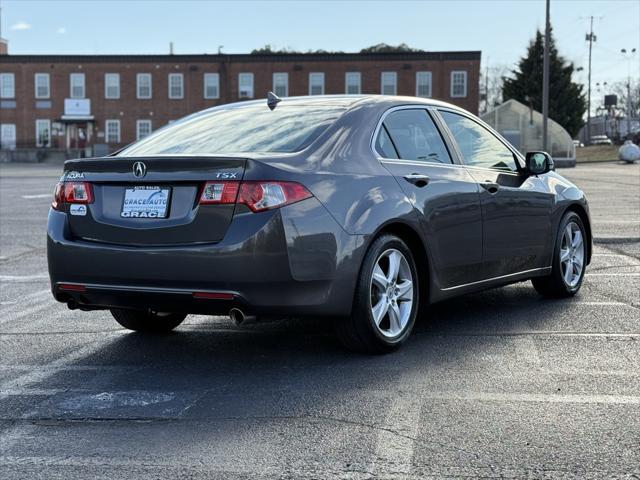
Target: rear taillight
x,y
260,196
219,192
71,192
257,195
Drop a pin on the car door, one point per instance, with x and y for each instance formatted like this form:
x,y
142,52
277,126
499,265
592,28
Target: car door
x,y
444,194
516,208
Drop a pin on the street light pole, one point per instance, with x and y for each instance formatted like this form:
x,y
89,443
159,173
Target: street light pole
x,y
545,81
591,38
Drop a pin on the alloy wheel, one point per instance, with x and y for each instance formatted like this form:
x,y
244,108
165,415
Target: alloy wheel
x,y
572,254
391,293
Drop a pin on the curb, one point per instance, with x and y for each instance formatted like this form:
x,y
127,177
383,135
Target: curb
x,y
615,240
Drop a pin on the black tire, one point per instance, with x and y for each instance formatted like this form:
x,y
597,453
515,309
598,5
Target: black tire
x,y
359,332
554,284
147,321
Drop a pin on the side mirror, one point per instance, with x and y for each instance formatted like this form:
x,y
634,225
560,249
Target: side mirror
x,y
539,163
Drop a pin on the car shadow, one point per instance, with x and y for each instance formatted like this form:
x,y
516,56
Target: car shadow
x,y
288,367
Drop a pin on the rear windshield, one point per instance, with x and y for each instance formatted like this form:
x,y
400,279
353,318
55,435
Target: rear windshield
x,y
251,128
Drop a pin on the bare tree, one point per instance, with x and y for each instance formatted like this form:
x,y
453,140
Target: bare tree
x,y
491,79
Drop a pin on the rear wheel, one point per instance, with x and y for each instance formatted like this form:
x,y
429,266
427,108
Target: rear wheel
x,y
147,320
569,259
386,300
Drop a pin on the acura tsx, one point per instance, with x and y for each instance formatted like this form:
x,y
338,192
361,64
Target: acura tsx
x,y
362,209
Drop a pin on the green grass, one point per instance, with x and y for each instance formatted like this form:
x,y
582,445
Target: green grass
x,y
597,153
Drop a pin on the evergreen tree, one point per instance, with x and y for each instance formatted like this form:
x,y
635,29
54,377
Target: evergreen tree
x,y
567,103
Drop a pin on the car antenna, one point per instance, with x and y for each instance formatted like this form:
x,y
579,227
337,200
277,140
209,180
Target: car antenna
x,y
272,100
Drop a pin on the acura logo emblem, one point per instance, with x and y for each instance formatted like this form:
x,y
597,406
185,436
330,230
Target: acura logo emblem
x,y
139,169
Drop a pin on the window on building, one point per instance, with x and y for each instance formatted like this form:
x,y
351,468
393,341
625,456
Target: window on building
x,y
245,85
281,84
458,84
316,83
112,131
7,136
143,85
112,85
389,83
176,85
7,85
211,85
143,128
76,85
478,145
43,133
353,83
423,84
415,136
41,81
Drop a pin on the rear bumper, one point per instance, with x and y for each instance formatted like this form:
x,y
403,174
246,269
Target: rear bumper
x,y
292,261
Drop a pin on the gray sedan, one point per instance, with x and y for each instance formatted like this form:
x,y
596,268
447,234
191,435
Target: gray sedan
x,y
360,209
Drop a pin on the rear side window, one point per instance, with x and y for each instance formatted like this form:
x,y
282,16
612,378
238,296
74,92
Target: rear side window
x,y
253,128
384,146
415,136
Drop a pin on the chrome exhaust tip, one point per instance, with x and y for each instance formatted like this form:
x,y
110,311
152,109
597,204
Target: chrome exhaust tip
x,y
240,318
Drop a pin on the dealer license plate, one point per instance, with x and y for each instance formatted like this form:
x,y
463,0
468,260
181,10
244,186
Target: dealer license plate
x,y
145,202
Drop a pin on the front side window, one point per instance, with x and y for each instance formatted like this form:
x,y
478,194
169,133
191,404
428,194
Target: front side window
x,y
415,136
41,81
76,85
143,85
43,133
389,83
458,84
112,85
241,129
245,85
479,147
316,83
112,131
353,83
211,85
423,84
281,84
7,85
176,86
143,128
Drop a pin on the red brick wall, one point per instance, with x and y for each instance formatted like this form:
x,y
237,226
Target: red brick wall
x,y
160,109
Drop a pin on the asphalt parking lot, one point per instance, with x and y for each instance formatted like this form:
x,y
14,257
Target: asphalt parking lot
x,y
496,384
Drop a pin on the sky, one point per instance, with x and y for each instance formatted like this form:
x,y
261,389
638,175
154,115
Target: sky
x,y
500,29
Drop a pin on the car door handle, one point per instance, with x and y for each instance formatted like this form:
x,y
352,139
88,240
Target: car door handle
x,y
417,179
490,187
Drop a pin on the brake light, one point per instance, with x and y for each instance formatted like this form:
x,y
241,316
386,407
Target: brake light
x,y
71,192
219,192
260,196
257,195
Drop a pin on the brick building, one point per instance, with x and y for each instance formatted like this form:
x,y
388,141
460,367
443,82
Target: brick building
x,y
102,102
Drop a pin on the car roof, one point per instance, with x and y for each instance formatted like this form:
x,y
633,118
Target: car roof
x,y
345,101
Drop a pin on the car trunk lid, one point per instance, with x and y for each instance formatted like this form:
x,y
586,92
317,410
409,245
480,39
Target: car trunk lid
x,y
152,200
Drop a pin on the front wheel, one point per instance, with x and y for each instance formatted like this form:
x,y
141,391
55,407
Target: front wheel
x,y
147,320
386,299
569,260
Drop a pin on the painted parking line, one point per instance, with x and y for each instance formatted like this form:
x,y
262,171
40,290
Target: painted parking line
x,y
23,278
532,397
39,195
636,274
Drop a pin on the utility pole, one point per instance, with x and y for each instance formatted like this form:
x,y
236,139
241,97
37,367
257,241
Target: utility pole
x,y
591,38
545,81
629,56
